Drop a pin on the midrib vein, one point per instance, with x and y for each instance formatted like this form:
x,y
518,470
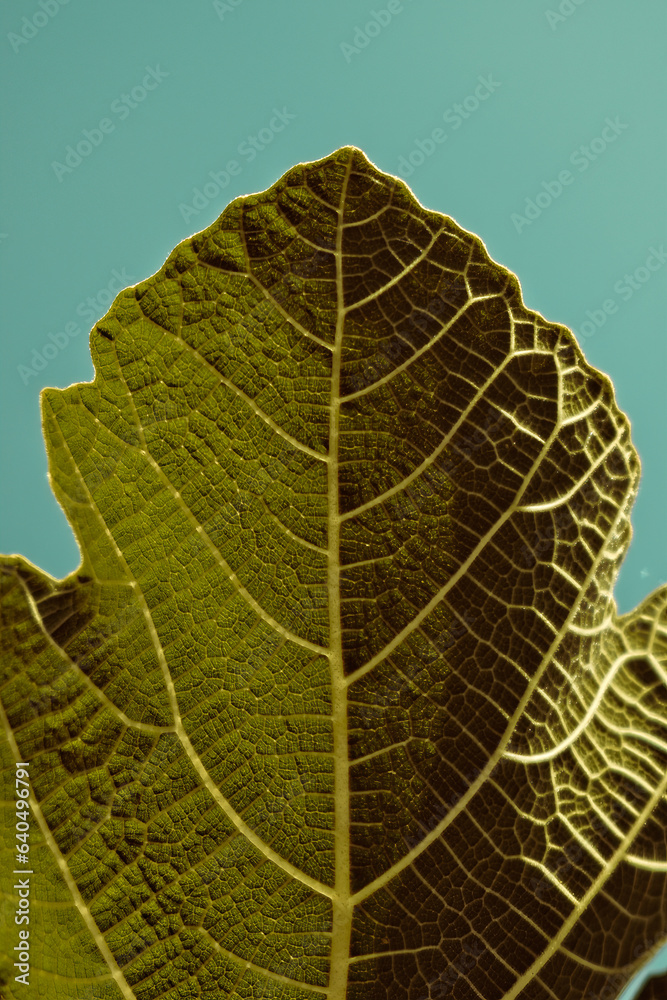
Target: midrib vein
x,y
342,906
179,728
63,867
430,459
257,410
479,548
485,774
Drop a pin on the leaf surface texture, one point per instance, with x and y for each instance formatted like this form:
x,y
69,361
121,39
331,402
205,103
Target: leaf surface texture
x,y
338,703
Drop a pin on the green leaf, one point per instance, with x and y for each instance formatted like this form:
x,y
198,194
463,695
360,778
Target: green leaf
x,y
338,702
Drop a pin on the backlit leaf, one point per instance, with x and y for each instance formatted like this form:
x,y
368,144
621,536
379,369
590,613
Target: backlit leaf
x,y
338,703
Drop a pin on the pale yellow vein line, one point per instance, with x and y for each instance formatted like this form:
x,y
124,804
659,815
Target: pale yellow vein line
x,y
460,572
463,568
342,906
290,534
402,274
222,562
369,218
538,758
269,421
274,976
207,781
92,687
418,353
558,501
646,864
77,898
582,414
643,737
274,302
420,469
593,966
433,948
603,626
498,753
609,869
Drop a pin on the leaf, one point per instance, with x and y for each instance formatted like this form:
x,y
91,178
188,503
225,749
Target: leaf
x,y
654,989
338,702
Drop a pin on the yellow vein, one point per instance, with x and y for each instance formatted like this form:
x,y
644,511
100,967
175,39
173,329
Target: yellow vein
x,y
558,501
418,353
269,421
222,562
498,753
460,572
539,758
77,898
342,907
92,687
246,964
274,302
398,277
595,887
209,784
290,534
593,966
435,453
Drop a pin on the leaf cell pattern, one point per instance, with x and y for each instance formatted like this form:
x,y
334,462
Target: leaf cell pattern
x,y
338,703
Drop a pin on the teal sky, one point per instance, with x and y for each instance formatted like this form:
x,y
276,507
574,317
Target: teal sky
x,y
542,132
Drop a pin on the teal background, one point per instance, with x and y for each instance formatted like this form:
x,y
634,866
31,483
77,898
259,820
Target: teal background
x,y
228,65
